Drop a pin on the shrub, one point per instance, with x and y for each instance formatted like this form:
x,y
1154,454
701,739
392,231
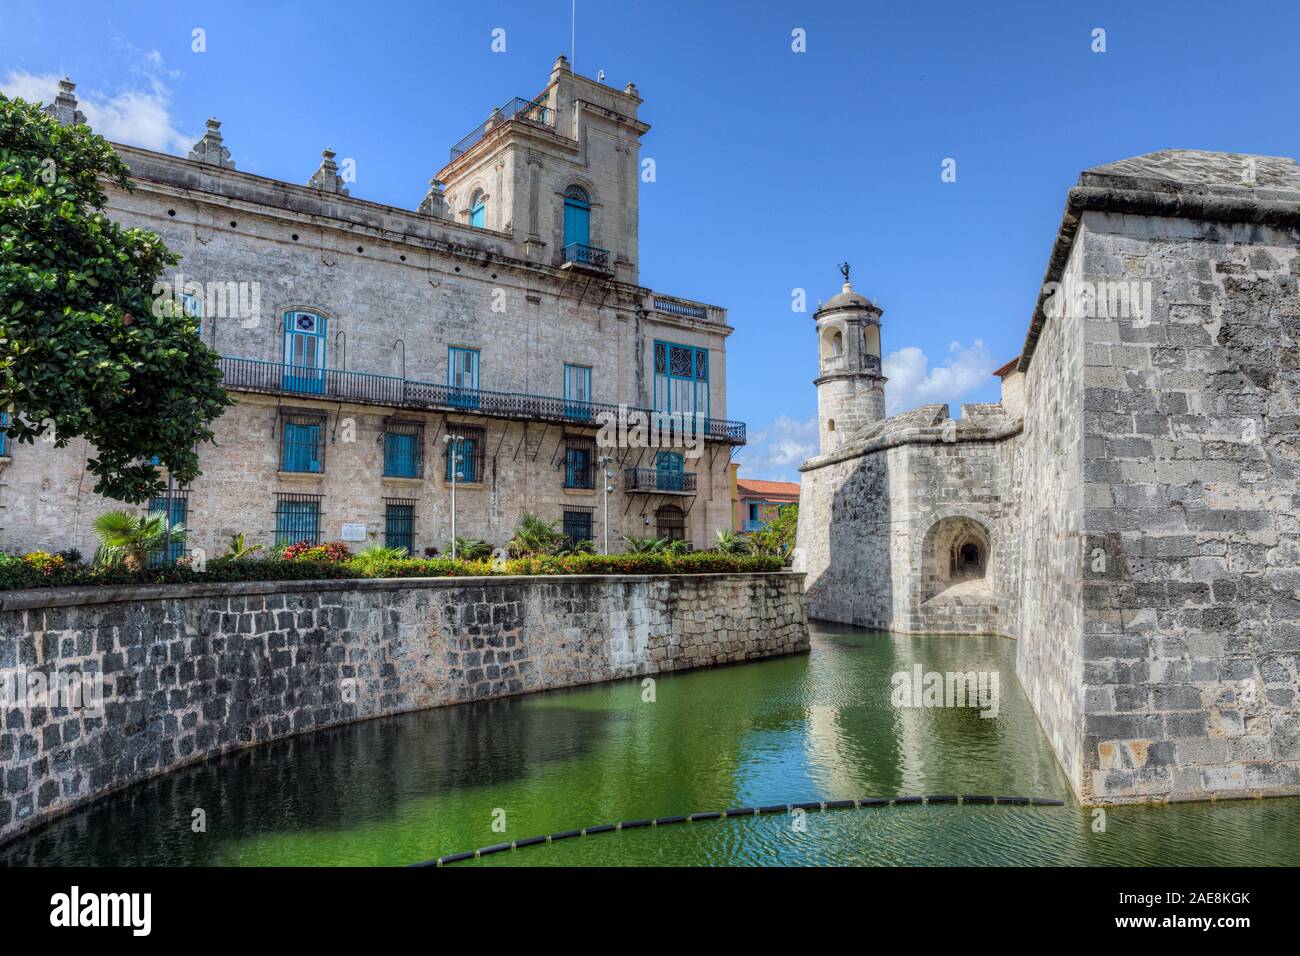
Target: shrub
x,y
695,562
18,572
305,551
45,563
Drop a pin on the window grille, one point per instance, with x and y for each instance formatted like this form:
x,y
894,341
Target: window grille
x,y
577,525
579,462
399,524
302,442
469,450
670,523
297,518
403,449
180,513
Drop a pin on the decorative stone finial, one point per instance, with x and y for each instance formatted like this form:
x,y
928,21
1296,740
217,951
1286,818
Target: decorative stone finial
x,y
210,149
435,201
327,178
64,108
631,90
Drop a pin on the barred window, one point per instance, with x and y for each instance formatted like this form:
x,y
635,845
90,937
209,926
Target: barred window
x,y
302,441
670,523
577,524
468,450
180,509
399,524
403,449
579,462
297,518
4,434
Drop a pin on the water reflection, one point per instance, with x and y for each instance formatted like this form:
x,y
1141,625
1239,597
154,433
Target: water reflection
x,y
816,726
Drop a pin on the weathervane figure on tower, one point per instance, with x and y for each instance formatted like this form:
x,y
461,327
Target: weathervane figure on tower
x,y
844,268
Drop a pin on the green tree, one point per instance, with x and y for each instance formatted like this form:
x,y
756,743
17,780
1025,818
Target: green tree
x,y
777,536
87,348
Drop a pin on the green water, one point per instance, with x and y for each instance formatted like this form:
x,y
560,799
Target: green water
x,y
809,727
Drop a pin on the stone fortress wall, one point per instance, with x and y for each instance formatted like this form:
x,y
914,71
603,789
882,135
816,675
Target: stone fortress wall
x,y
192,671
1136,490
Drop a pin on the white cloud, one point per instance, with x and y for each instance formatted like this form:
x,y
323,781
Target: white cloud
x,y
775,452
137,117
912,382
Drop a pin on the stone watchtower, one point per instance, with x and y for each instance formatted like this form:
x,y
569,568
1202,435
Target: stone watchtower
x,y
850,386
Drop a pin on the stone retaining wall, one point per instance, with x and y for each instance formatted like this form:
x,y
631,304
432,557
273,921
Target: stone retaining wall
x,y
196,670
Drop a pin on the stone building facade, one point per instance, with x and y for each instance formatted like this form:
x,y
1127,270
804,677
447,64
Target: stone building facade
x,y
504,314
1128,511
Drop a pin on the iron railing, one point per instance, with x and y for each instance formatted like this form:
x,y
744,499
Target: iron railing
x,y
678,307
366,388
517,109
585,255
658,480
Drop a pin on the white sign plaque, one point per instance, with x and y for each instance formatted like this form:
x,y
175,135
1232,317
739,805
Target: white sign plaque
x,y
353,531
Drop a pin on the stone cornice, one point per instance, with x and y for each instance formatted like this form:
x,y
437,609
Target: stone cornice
x,y
928,435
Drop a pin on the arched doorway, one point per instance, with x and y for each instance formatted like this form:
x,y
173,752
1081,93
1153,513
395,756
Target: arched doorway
x,y
956,550
670,523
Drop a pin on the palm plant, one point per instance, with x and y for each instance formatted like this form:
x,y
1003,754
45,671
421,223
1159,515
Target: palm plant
x,y
374,559
568,548
643,545
239,550
534,535
728,542
470,549
126,538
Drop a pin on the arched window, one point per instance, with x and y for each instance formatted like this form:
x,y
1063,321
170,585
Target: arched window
x,y
478,210
577,217
670,523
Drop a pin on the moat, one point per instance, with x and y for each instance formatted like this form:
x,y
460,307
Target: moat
x,y
404,789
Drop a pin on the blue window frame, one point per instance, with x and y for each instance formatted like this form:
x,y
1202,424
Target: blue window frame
x,y
403,450
180,514
478,210
4,433
681,379
399,525
579,456
469,452
462,377
671,474
577,216
297,518
577,391
302,443
304,352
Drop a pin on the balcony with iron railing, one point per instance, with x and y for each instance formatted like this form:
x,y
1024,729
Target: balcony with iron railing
x,y
659,481
518,109
366,388
581,254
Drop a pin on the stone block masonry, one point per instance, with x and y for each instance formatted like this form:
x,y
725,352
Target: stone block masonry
x,y
194,671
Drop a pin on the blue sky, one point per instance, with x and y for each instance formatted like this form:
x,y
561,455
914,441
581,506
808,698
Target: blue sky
x,y
772,165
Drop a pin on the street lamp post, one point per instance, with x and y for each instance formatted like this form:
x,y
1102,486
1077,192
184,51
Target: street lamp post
x,y
453,450
606,488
